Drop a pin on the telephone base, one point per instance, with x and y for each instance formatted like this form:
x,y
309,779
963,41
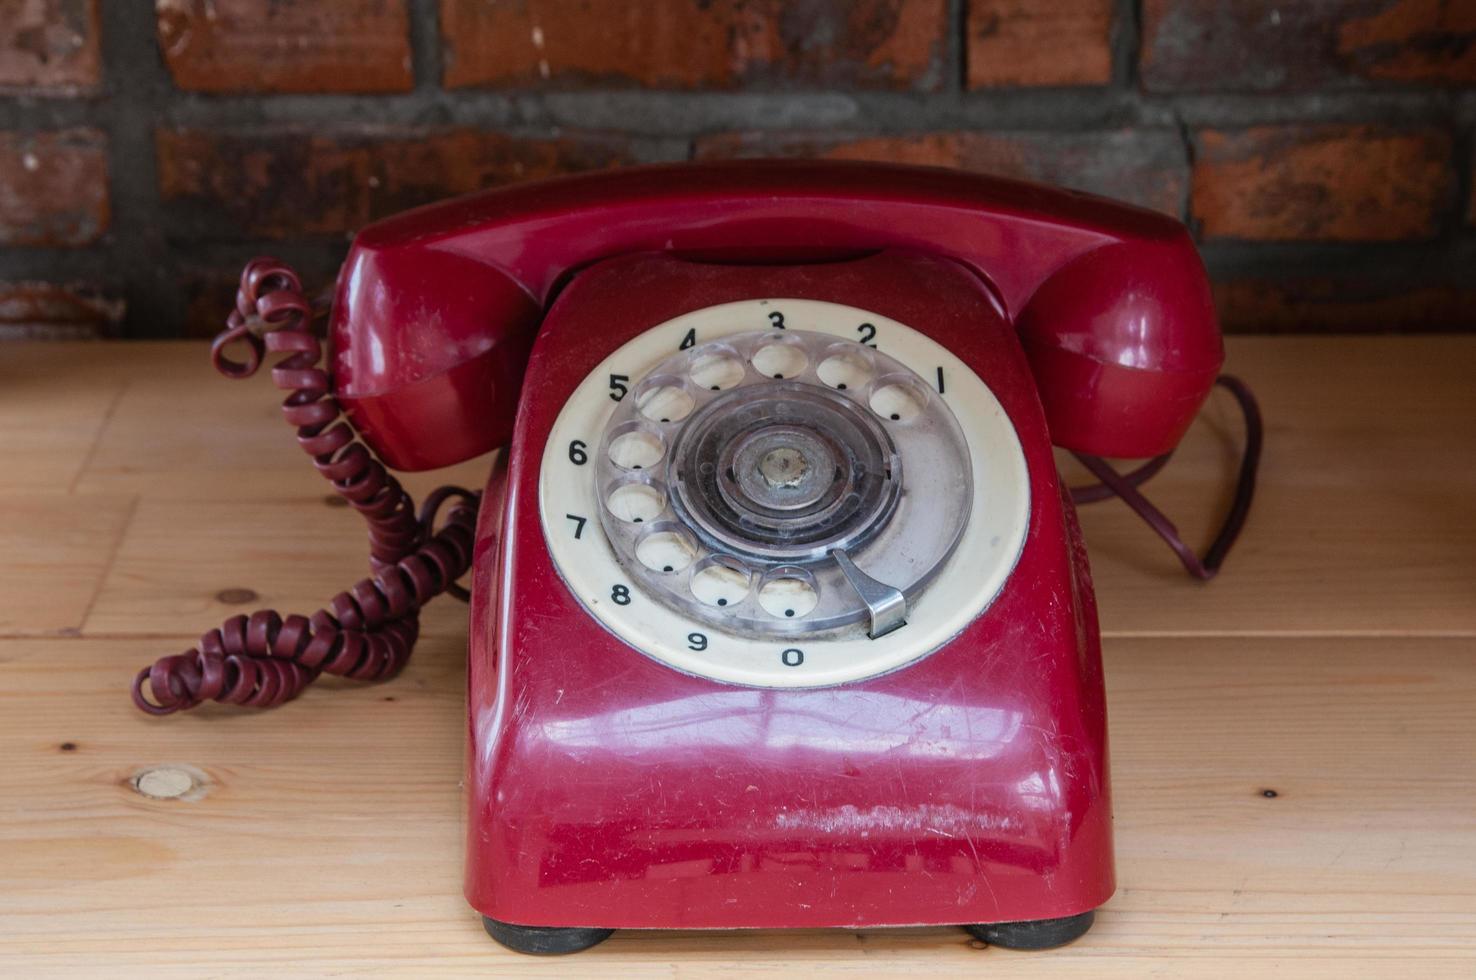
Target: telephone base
x,y
1034,933
544,940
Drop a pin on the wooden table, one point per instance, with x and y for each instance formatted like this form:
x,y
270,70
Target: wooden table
x,y
1294,745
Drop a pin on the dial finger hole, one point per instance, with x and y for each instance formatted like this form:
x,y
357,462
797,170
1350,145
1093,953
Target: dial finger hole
x,y
721,581
846,368
666,548
898,399
664,399
779,360
716,370
636,503
788,593
636,448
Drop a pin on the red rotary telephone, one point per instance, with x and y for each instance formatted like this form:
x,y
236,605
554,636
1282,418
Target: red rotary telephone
x,y
780,615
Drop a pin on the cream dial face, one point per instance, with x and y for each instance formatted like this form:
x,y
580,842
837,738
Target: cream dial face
x,y
784,493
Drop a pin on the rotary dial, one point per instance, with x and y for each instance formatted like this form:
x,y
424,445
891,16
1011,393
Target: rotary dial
x,y
783,493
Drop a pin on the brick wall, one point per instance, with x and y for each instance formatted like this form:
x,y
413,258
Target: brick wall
x,y
1322,150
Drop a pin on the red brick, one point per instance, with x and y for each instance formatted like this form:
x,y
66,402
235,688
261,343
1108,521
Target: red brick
x,y
1341,305
49,46
1322,183
688,44
53,187
283,183
1413,41
1144,166
286,45
57,311
1268,45
1021,43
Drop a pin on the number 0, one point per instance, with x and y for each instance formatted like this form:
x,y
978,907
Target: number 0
x,y
792,657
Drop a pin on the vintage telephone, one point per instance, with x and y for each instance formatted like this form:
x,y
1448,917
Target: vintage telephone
x,y
780,615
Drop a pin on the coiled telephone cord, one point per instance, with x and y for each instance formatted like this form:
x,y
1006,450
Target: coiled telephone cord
x,y
367,632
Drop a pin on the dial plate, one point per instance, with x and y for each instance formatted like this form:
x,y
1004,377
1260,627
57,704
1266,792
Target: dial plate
x,y
579,500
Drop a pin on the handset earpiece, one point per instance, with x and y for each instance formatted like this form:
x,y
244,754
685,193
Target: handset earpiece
x,y
1124,346
429,349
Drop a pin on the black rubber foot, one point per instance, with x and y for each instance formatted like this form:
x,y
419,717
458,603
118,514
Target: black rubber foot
x,y
1034,933
544,940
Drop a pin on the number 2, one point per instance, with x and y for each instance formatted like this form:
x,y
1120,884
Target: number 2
x,y
868,334
777,319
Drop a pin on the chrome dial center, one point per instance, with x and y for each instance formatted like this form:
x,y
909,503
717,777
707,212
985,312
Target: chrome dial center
x,y
783,471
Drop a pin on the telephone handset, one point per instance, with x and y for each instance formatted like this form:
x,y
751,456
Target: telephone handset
x,y
776,532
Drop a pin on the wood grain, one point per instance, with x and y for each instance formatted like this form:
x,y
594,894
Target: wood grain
x,y
56,552
1334,664
56,399
1363,520
328,837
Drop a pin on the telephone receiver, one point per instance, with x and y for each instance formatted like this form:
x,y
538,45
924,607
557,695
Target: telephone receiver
x,y
436,309
778,521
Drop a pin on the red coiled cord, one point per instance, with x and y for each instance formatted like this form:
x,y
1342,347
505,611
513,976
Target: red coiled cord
x,y
367,632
